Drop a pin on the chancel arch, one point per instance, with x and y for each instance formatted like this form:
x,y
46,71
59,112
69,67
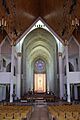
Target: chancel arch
x,y
39,45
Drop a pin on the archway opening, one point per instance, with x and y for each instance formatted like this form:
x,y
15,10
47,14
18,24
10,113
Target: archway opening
x,y
39,62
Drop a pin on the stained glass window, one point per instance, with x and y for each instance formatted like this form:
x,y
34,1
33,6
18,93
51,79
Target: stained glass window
x,y
40,66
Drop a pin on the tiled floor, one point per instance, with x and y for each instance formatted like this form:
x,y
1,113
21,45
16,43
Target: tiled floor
x,y
40,113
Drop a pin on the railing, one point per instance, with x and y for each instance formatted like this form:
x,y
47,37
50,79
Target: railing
x,y
5,78
74,77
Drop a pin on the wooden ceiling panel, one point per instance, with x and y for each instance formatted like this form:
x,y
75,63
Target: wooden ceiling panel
x,y
27,7
58,14
22,15
50,7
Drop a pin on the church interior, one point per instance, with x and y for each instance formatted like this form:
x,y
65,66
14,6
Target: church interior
x,y
40,60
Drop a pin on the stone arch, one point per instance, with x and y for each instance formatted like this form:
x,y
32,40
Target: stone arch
x,y
39,44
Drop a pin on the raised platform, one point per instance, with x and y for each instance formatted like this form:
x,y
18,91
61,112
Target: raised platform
x,y
39,96
40,103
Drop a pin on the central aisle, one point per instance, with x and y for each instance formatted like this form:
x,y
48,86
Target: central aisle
x,y
40,113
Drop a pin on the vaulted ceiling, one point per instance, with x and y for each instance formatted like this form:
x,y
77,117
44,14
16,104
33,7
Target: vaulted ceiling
x,y
21,14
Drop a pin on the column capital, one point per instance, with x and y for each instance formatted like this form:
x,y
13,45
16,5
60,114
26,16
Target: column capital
x,y
60,54
12,43
19,54
66,43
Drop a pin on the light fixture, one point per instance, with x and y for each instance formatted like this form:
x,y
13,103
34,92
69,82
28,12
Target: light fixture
x,y
75,23
2,24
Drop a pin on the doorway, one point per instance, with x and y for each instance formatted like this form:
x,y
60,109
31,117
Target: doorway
x,y
40,83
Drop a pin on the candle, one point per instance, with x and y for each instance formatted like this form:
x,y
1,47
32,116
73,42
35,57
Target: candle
x,y
5,23
2,21
73,22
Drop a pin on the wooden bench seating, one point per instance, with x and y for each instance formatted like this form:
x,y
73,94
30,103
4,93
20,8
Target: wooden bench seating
x,y
64,112
14,112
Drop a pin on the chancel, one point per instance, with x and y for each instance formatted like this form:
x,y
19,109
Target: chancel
x,y
39,60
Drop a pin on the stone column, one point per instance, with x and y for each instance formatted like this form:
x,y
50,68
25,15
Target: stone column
x,y
3,92
0,92
1,66
67,71
19,77
61,82
79,58
68,92
12,74
75,92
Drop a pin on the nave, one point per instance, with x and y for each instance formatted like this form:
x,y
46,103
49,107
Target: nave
x,y
40,113
40,110
39,59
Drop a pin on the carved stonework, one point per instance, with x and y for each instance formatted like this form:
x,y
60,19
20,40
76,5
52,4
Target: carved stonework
x,y
19,54
12,43
60,54
66,43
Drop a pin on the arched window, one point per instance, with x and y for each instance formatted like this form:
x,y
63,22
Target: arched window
x,y
8,68
71,67
39,66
